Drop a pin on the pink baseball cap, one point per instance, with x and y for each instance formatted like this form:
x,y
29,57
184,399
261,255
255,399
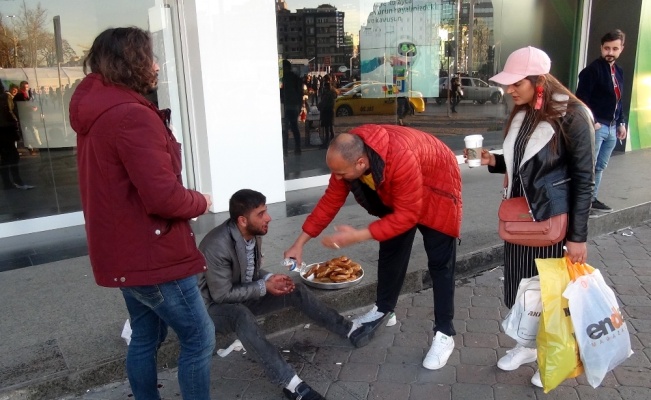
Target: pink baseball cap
x,y
527,61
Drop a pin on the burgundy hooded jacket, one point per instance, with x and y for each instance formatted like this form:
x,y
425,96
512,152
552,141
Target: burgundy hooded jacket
x,y
134,203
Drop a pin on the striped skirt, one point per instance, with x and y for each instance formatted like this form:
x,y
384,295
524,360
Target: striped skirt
x,y
519,264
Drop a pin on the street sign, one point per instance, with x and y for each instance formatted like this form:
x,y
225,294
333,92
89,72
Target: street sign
x,y
326,60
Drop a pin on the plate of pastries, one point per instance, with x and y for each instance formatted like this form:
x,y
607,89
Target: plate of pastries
x,y
338,273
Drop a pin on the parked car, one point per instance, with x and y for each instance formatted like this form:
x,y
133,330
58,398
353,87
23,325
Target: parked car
x,y
351,85
375,99
474,89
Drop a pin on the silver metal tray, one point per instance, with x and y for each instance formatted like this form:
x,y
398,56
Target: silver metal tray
x,y
330,286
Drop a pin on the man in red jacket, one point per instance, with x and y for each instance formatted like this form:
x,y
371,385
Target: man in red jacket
x,y
137,211
411,181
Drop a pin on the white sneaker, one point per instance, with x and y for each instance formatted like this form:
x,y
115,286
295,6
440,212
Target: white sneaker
x,y
370,316
535,379
515,357
438,354
392,319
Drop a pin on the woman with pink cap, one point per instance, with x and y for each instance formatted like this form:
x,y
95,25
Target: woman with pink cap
x,y
548,159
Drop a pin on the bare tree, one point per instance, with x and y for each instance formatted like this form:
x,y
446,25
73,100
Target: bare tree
x,y
47,54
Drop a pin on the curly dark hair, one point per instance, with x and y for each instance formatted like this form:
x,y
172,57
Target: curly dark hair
x,y
123,56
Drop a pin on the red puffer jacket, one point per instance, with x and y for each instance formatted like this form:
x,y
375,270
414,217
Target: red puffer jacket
x,y
136,208
416,176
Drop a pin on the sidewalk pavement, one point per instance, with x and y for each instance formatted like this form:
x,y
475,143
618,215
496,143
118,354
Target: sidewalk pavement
x,y
390,366
61,332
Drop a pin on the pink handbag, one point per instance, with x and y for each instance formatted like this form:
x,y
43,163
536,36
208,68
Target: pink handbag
x,y
517,225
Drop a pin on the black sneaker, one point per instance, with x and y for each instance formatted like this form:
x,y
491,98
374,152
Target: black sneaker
x,y
369,323
303,392
599,206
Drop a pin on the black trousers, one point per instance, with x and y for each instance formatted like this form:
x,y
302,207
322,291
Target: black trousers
x,y
291,121
9,158
393,261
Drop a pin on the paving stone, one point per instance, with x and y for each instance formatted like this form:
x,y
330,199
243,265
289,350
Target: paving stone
x,y
425,312
359,372
512,392
642,271
327,359
609,380
417,325
369,354
485,312
483,325
443,376
388,391
478,356
430,391
642,264
485,301
347,390
635,343
637,359
465,291
495,291
477,339
602,393
628,300
633,311
382,339
640,325
412,339
560,393
472,391
398,372
462,301
635,393
631,290
645,338
632,376
623,280
520,376
476,374
462,313
405,355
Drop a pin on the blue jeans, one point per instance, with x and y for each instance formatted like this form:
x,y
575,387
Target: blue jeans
x,y
152,309
240,318
392,265
605,139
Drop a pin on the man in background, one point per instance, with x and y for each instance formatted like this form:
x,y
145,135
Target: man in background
x,y
601,88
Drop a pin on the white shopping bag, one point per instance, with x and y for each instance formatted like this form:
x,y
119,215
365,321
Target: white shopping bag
x,y
600,329
521,323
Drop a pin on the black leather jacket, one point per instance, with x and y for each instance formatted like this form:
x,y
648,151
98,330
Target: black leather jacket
x,y
555,182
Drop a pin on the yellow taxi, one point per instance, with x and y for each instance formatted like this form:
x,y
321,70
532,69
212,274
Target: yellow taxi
x,y
375,99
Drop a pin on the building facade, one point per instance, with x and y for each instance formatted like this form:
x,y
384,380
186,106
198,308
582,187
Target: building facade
x,y
222,82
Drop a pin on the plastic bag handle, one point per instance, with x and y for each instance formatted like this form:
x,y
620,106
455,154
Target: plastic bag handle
x,y
577,269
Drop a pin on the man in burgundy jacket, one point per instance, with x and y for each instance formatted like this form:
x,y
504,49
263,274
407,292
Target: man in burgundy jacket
x,y
137,211
411,181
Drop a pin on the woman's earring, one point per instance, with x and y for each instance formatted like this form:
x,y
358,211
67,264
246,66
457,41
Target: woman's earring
x,y
539,97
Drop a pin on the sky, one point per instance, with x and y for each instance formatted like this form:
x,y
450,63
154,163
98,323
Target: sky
x,y
83,20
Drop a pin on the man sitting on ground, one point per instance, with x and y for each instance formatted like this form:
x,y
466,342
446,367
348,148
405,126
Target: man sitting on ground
x,y
236,289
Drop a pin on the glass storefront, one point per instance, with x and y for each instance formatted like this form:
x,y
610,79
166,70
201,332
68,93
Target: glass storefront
x,y
395,62
42,48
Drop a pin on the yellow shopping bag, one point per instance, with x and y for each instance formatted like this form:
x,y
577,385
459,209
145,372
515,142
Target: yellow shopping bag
x,y
558,352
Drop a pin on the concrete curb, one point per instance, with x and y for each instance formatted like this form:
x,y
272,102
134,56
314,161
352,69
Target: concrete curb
x,y
66,382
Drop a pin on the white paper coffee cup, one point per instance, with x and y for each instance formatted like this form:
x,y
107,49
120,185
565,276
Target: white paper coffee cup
x,y
473,149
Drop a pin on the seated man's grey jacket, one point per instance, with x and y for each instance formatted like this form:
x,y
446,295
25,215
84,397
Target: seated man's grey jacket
x,y
225,253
